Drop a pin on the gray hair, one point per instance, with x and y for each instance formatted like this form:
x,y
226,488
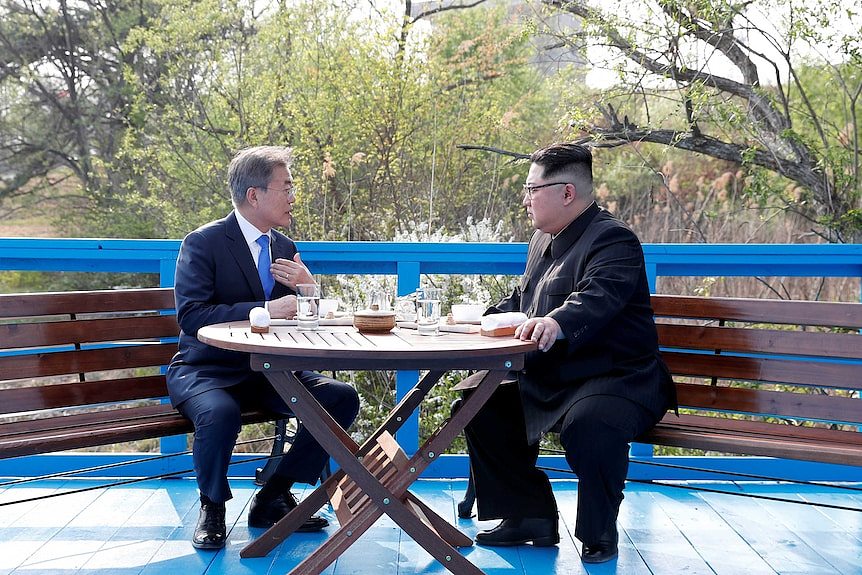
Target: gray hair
x,y
252,168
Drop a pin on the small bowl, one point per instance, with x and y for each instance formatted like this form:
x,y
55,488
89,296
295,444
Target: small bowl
x,y
467,312
374,321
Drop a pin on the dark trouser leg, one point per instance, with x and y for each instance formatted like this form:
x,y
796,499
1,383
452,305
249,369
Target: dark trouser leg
x,y
508,485
305,459
216,417
596,433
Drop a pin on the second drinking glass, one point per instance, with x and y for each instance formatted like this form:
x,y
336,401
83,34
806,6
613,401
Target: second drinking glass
x,y
307,305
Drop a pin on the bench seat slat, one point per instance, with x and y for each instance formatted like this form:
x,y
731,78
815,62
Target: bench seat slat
x,y
45,334
771,403
97,301
88,360
32,398
117,426
835,314
821,374
843,345
756,438
108,415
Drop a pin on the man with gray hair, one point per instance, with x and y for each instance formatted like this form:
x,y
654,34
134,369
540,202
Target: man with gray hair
x,y
596,376
224,269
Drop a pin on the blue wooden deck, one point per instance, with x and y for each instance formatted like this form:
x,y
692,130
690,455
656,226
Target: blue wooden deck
x,y
145,528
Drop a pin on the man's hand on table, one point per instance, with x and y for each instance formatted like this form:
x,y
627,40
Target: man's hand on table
x,y
543,330
283,307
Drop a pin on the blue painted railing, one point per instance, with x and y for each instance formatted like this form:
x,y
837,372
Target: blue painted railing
x,y
408,261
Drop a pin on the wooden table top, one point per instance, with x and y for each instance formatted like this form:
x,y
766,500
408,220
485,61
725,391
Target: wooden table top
x,y
346,342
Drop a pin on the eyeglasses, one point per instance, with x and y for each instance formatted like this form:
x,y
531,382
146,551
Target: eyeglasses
x,y
530,190
290,190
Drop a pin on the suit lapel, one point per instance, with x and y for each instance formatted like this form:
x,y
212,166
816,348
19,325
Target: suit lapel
x,y
239,250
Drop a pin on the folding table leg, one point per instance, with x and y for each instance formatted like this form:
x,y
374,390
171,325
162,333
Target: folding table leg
x,y
451,534
393,501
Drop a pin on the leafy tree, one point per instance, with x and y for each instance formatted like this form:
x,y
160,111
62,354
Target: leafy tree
x,y
747,82
63,96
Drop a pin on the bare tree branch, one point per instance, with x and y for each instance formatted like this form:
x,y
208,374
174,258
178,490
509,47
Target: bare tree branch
x,y
443,8
515,155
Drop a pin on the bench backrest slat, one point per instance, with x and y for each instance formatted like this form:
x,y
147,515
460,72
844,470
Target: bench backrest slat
x,y
768,403
837,314
87,360
99,301
772,341
85,330
844,376
19,400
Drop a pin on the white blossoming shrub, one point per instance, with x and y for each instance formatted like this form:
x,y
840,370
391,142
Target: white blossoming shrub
x,y
377,389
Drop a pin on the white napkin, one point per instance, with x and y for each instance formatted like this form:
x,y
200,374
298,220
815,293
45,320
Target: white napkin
x,y
502,320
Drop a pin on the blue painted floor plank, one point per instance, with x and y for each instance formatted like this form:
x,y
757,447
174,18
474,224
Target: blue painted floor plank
x,y
723,549
659,541
38,529
782,549
831,542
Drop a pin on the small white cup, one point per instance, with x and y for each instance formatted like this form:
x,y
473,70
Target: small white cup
x,y
328,305
307,304
428,311
467,312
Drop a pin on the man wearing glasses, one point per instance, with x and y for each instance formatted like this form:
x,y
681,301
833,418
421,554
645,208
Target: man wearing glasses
x,y
224,269
597,376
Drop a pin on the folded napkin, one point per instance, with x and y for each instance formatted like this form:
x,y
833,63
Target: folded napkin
x,y
497,324
456,328
346,320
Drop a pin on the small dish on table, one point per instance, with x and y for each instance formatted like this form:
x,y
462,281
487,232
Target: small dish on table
x,y
374,321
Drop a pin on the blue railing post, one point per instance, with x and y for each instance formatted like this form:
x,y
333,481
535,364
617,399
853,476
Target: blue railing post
x,y
408,436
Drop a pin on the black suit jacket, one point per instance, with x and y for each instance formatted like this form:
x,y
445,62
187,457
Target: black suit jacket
x,y
216,281
591,279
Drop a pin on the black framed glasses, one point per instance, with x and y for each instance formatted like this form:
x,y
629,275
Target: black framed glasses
x,y
530,190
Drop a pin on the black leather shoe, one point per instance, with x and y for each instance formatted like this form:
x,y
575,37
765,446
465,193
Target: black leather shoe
x,y
604,549
264,514
540,531
210,532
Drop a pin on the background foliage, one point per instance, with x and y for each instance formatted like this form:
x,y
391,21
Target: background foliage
x,y
724,122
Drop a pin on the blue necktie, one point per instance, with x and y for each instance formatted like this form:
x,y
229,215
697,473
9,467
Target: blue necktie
x,y
263,263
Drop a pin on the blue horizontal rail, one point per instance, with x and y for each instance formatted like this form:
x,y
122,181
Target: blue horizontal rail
x,y
409,261
152,256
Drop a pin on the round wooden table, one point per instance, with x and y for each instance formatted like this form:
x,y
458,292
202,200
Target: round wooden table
x,y
373,478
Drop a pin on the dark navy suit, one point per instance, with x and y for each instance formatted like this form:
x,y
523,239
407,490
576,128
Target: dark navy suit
x,y
603,384
217,281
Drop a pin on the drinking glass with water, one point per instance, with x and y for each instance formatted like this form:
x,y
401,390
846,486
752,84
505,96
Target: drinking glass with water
x,y
307,306
428,311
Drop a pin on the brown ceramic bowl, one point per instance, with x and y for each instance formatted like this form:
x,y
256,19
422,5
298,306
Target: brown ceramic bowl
x,y
373,321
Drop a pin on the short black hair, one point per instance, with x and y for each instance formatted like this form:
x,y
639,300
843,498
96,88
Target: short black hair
x,y
565,157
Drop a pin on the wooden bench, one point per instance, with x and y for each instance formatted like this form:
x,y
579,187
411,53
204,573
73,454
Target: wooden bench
x,y
81,369
779,378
